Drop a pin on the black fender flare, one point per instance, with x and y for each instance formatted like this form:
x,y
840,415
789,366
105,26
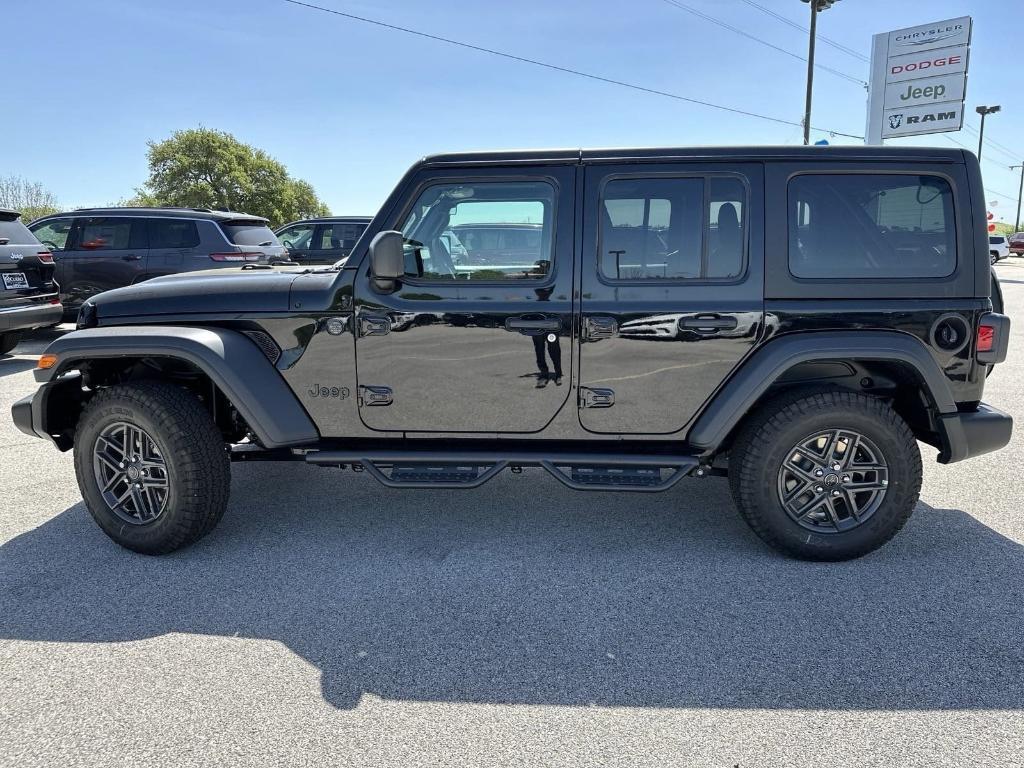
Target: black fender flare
x,y
752,379
232,361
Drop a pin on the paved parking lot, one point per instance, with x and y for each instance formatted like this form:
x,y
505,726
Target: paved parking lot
x,y
329,620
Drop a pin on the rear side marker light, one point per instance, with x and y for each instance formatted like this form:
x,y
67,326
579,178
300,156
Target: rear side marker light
x,y
236,256
986,338
47,361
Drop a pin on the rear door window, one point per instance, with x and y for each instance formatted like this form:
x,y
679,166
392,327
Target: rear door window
x,y
338,235
682,228
172,233
249,233
879,226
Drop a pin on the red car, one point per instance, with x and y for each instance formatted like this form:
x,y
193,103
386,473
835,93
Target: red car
x,y
1017,244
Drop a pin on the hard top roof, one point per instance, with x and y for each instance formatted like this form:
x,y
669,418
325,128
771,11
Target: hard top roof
x,y
747,152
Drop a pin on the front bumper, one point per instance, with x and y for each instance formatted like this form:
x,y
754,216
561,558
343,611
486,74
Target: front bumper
x,y
973,433
21,411
52,412
30,316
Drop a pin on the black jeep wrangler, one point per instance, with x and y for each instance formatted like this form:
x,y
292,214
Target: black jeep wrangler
x,y
794,318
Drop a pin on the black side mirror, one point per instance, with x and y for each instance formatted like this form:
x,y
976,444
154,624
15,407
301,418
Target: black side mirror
x,y
387,261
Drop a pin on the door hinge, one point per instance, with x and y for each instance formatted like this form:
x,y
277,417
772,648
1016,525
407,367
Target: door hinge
x,y
375,395
596,397
599,327
374,325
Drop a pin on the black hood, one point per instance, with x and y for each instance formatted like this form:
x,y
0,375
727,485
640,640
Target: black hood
x,y
221,290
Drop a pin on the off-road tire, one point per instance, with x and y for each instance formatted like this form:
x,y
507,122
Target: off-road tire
x,y
769,436
9,341
192,448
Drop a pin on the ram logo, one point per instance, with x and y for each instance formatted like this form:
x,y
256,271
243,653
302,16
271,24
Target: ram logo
x,y
895,121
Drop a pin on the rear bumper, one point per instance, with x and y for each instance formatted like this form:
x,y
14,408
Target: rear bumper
x,y
30,316
974,433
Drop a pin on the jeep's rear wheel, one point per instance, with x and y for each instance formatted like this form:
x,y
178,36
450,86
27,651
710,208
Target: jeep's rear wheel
x,y
827,475
151,466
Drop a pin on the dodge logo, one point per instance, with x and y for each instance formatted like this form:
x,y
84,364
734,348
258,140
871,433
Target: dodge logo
x,y
895,121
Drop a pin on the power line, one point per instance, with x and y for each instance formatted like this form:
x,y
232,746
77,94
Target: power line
x,y
566,70
827,41
738,31
990,191
994,144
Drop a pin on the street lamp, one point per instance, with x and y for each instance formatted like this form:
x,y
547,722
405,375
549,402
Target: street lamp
x,y
1020,191
984,111
816,7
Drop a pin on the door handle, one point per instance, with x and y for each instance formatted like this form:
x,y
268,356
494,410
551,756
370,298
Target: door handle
x,y
523,324
708,323
131,257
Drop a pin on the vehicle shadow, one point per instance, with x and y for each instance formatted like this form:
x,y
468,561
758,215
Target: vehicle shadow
x,y
34,342
522,593
10,365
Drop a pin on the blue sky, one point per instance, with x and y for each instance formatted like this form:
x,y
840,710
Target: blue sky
x,y
349,106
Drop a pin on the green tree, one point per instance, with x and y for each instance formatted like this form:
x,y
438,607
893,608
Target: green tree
x,y
31,198
204,168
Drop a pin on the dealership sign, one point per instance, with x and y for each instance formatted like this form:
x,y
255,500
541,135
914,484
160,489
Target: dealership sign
x,y
918,80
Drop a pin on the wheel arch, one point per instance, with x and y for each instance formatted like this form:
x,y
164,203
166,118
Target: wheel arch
x,y
231,362
896,365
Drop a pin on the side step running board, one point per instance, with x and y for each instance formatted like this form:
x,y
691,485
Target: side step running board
x,y
471,469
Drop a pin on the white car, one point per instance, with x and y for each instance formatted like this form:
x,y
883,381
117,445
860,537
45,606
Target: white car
x,y
998,247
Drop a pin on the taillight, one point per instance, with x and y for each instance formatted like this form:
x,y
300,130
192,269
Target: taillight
x,y
986,338
237,256
45,256
992,339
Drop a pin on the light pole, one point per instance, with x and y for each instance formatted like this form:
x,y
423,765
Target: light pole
x,y
816,7
984,111
1020,191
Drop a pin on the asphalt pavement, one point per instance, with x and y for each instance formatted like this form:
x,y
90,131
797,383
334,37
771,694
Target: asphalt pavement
x,y
331,621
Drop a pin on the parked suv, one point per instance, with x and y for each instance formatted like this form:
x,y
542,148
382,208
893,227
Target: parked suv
x,y
998,247
1017,244
28,295
97,249
804,366
324,240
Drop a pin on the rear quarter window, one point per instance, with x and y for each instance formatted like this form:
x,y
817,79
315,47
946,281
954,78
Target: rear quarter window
x,y
871,226
249,233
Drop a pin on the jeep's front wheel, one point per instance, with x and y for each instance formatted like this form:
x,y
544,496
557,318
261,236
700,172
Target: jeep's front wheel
x,y
826,476
151,466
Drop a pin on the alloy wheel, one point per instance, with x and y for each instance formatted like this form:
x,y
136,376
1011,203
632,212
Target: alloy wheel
x,y
833,481
130,473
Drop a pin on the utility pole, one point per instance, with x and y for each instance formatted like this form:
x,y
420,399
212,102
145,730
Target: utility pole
x,y
816,7
984,111
1020,191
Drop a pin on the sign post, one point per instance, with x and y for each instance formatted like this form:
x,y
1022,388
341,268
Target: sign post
x,y
918,80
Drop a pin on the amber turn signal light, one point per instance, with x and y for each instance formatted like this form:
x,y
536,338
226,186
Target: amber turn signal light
x,y
47,361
